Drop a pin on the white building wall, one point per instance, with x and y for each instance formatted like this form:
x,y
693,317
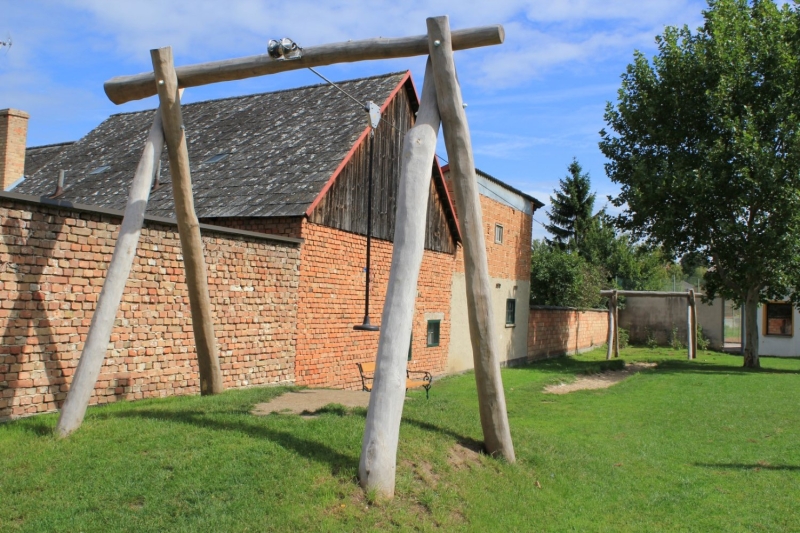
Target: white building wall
x,y
779,346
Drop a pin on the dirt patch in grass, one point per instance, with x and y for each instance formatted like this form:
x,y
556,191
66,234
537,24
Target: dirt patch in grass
x,y
463,456
603,380
309,401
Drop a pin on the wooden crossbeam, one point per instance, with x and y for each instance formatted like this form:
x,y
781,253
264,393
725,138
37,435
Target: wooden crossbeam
x,y
649,294
127,88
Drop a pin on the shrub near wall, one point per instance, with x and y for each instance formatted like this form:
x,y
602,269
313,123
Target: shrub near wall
x,y
52,268
556,331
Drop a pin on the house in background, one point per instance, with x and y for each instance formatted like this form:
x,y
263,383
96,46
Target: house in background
x,y
778,329
507,220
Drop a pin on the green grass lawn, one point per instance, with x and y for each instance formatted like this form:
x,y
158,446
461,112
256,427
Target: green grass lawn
x,y
689,446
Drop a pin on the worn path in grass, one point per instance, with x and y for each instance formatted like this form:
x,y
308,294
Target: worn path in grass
x,y
309,401
689,446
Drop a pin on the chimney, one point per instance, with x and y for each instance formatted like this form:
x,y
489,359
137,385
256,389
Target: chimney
x,y
13,136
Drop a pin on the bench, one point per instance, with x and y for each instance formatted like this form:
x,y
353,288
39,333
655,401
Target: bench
x,y
367,371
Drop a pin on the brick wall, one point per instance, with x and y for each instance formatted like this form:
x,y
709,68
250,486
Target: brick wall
x,y
13,137
331,302
558,331
510,259
52,268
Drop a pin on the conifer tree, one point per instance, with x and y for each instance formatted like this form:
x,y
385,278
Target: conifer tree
x,y
571,208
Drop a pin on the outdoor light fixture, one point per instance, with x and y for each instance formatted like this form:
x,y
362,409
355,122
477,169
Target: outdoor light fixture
x,y
284,49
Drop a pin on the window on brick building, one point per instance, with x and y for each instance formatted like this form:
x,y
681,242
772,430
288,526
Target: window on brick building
x,y
498,234
778,319
511,312
433,332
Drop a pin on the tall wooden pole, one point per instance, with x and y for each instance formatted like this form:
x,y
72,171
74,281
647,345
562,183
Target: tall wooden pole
x,y
94,350
491,397
691,324
612,304
188,225
694,326
616,325
376,469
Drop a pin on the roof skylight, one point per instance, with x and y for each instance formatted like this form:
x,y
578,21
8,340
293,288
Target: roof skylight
x,y
100,170
217,158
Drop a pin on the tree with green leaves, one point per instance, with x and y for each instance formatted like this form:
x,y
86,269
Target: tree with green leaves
x,y
571,208
563,279
705,144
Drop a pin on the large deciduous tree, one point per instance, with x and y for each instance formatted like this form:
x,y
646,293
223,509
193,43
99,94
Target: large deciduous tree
x,y
704,142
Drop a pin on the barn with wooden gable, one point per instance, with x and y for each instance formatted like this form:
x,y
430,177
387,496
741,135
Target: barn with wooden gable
x,y
292,164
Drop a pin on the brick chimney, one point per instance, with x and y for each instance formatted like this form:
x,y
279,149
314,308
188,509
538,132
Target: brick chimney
x,y
13,136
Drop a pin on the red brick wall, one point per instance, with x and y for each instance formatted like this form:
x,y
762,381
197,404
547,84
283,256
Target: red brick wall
x,y
553,331
331,302
512,258
52,268
13,137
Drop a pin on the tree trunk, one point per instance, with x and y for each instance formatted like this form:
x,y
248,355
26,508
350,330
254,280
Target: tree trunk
x,y
376,469
751,330
483,332
96,345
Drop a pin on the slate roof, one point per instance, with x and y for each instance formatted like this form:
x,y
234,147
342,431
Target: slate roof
x,y
38,156
283,148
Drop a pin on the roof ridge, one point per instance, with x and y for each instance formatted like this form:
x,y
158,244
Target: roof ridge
x,y
242,96
50,145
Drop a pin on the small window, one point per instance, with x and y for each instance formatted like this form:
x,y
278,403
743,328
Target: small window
x,y
511,312
100,170
433,333
778,319
217,158
498,234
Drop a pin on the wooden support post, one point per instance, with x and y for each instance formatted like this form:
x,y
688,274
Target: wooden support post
x,y
491,397
612,304
692,324
376,469
126,88
94,349
188,225
616,325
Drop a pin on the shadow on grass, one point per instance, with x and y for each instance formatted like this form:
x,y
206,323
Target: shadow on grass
x,y
743,466
567,364
665,366
467,442
682,367
312,450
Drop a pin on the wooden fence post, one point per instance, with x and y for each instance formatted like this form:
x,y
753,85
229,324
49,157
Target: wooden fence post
x,y
692,324
96,345
616,324
491,397
611,309
188,225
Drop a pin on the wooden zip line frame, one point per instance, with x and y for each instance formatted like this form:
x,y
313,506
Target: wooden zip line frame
x,y
441,103
613,316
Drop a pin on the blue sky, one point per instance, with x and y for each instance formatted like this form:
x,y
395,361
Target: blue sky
x,y
534,102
